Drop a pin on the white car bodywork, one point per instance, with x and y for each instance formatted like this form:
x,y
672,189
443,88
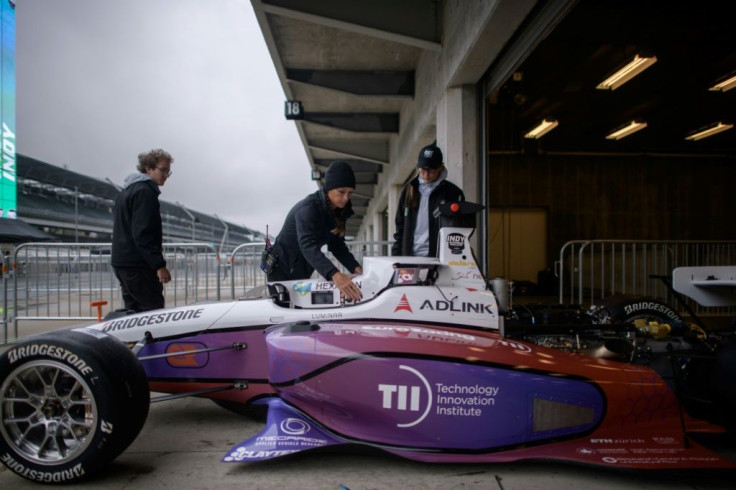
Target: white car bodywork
x,y
448,290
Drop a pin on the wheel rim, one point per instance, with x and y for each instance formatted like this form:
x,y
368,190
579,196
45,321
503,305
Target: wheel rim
x,y
49,415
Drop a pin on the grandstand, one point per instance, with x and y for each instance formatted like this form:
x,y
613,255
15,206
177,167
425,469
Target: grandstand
x,y
76,208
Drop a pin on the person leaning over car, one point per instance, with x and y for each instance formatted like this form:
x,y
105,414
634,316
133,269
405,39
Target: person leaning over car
x,y
416,228
317,220
137,235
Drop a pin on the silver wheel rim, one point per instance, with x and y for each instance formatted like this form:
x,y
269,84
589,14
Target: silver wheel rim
x,y
49,415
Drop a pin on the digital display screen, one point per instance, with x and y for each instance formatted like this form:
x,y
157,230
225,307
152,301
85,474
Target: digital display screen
x,y
7,109
322,297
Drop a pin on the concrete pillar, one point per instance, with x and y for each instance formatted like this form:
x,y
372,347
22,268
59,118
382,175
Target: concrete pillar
x,y
393,204
376,226
457,137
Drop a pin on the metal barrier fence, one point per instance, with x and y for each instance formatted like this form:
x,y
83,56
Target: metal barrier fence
x,y
589,270
61,281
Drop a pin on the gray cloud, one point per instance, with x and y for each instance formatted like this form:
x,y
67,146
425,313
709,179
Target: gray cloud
x,y
100,81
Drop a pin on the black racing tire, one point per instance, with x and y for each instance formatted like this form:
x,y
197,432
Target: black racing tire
x,y
70,402
626,309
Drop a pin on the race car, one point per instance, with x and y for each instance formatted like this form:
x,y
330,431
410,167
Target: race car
x,y
428,366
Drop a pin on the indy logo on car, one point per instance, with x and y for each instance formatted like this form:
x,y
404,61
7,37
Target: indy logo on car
x,y
403,305
456,243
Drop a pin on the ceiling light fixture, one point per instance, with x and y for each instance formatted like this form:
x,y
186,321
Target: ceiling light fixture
x,y
626,130
725,85
709,131
543,128
636,66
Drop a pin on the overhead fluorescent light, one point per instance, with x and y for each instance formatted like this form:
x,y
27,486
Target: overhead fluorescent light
x,y
543,128
636,66
709,131
725,85
624,131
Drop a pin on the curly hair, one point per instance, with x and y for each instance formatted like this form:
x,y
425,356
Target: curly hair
x,y
151,159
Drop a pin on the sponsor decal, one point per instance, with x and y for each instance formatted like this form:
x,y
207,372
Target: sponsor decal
x,y
456,243
418,400
152,319
470,274
617,441
515,345
403,305
106,426
42,476
422,332
457,306
289,438
302,288
53,351
326,316
188,359
405,276
326,286
462,263
294,427
645,305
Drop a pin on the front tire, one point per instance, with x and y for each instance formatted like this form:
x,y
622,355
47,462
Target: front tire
x,y
70,402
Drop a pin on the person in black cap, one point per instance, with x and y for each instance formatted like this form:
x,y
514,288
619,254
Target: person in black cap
x,y
416,229
317,220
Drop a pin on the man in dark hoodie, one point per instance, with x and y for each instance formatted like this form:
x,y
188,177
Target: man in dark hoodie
x,y
416,226
317,220
137,234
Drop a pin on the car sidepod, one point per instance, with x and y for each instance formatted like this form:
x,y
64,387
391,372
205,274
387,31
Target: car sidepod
x,y
450,395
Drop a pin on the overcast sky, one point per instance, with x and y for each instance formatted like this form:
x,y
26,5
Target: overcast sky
x,y
99,81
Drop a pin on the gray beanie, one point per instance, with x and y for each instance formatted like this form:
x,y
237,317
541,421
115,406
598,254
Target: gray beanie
x,y
339,174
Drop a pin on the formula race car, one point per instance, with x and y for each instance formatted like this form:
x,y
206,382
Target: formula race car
x,y
430,366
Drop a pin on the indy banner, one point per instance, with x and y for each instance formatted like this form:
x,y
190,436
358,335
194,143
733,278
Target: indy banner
x,y
7,109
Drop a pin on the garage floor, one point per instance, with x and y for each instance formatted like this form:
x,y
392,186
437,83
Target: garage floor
x,y
183,441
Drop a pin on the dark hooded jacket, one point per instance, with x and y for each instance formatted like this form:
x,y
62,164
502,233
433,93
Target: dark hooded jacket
x,y
306,229
137,234
406,216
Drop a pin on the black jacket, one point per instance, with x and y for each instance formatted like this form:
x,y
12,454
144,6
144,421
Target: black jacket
x,y
305,231
137,235
406,216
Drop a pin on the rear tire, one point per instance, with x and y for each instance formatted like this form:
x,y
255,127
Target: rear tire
x,y
626,309
70,402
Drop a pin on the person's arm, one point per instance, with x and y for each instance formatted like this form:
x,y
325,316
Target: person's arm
x,y
342,253
345,284
310,233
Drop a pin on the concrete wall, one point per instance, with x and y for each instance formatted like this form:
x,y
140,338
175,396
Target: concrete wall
x,y
444,107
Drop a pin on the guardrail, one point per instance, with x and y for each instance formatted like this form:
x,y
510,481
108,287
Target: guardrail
x,y
60,281
589,270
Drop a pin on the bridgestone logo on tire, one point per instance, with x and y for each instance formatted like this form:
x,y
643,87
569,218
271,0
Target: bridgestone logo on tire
x,y
54,351
42,476
633,308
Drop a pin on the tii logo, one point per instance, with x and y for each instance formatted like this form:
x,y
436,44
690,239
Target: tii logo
x,y
407,398
403,305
